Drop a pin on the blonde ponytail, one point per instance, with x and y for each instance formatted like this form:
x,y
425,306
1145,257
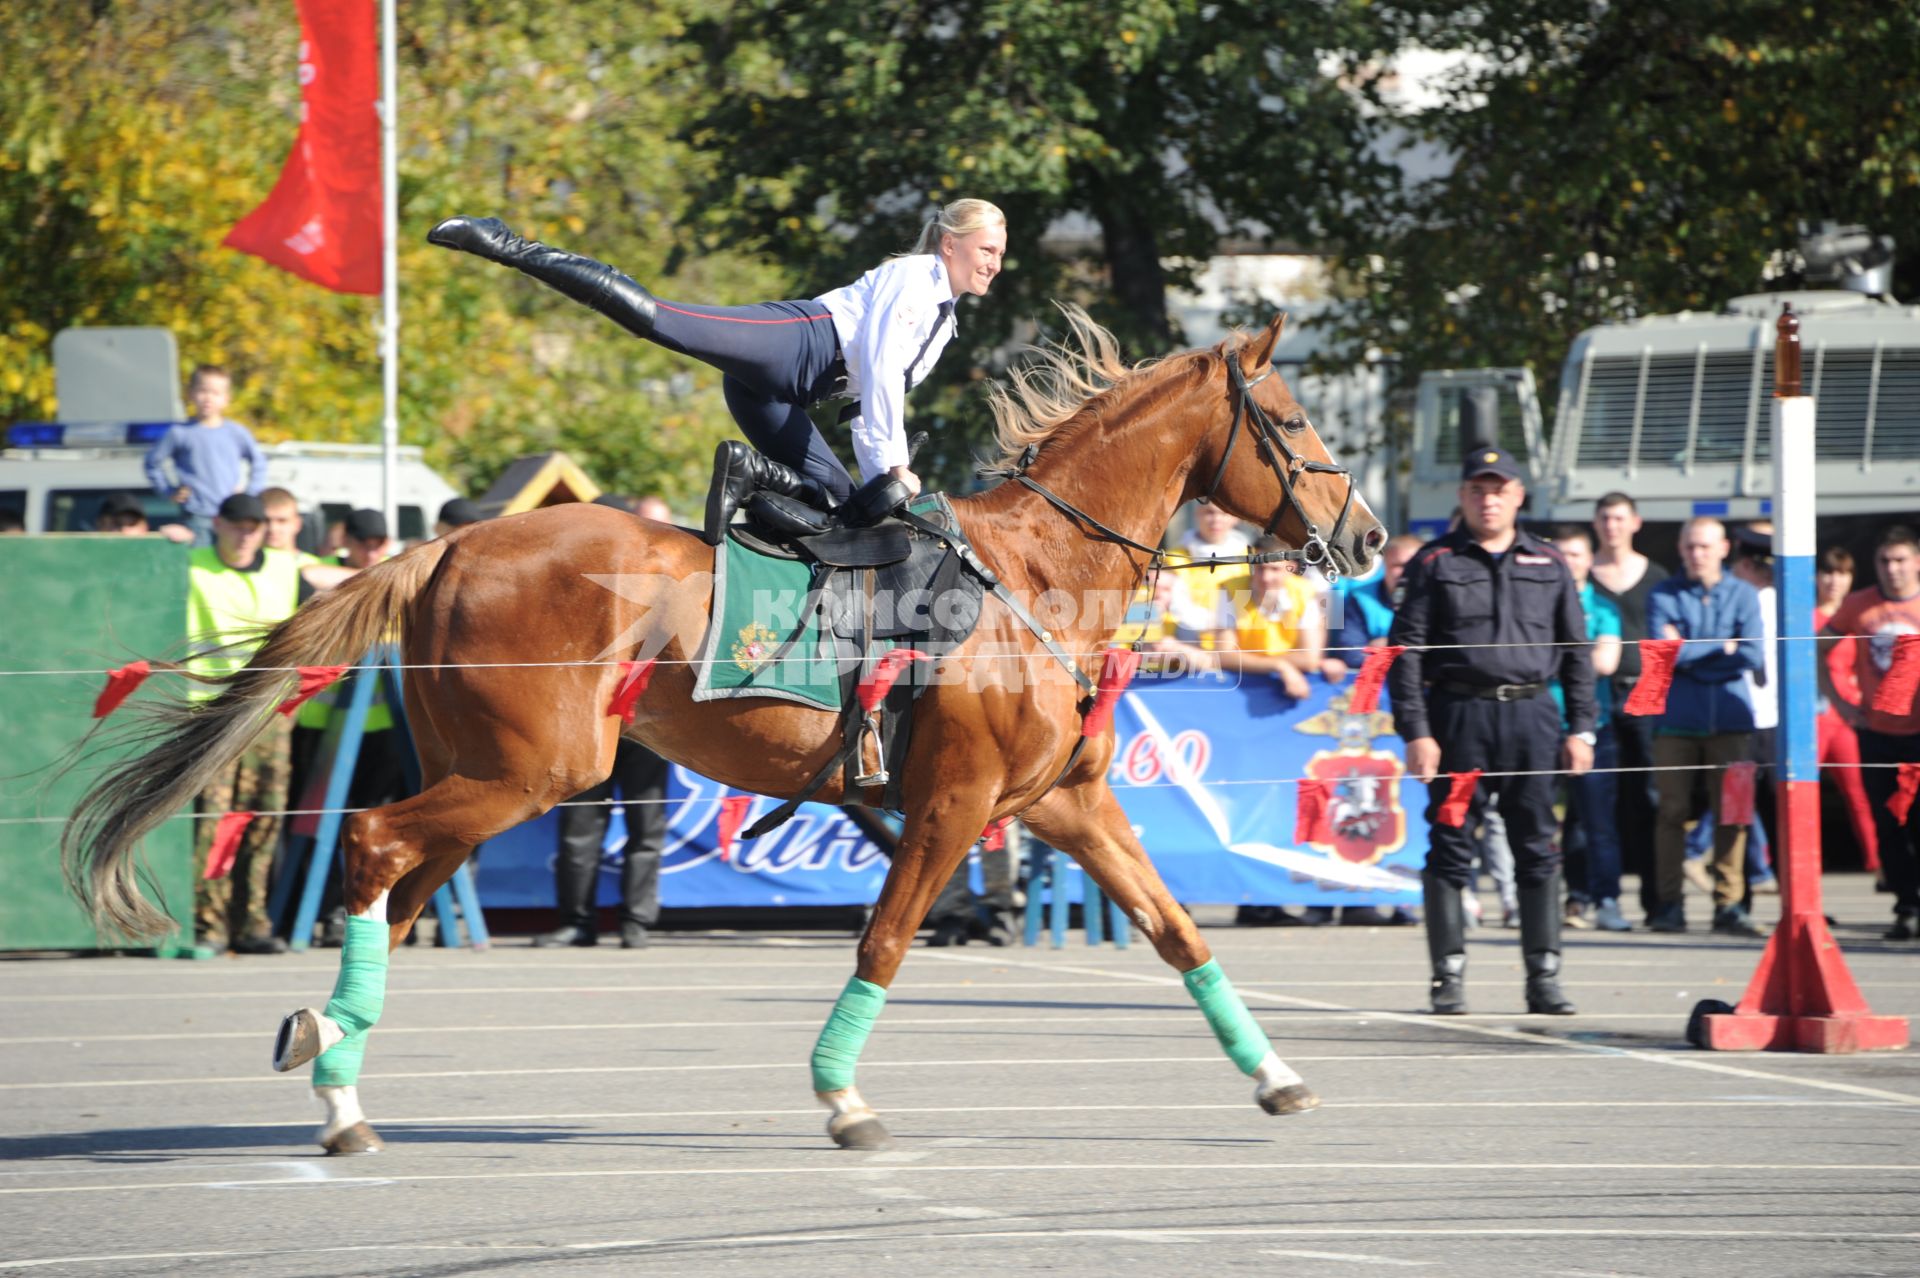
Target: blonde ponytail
x,y
962,217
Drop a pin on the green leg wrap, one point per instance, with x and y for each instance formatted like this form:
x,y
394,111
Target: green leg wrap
x,y
1241,1037
845,1033
357,998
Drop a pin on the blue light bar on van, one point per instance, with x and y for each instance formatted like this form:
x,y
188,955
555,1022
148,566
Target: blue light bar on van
x,y
83,434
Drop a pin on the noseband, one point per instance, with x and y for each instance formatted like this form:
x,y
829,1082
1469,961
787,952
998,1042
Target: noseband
x,y
1286,463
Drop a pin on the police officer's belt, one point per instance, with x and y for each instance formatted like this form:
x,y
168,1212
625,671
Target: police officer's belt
x,y
1494,691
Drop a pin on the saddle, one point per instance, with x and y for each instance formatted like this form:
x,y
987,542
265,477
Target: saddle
x,y
897,583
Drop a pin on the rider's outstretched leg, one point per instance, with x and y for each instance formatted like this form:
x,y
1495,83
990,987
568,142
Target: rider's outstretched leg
x,y
586,281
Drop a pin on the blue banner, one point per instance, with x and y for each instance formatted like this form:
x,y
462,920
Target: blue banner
x,y
1205,767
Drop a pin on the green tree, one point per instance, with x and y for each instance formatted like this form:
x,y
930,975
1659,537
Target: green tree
x,y
1134,136
1631,158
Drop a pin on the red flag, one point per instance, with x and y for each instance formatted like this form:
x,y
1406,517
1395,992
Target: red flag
x,y
120,686
313,679
1902,802
226,843
886,671
1649,696
323,220
1461,786
1902,679
1116,672
1310,812
733,814
634,678
1373,673
1736,794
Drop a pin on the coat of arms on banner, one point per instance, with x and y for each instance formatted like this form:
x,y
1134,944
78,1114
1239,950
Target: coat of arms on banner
x,y
1364,810
753,645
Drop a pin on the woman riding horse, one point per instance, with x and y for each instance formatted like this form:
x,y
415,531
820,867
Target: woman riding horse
x,y
872,342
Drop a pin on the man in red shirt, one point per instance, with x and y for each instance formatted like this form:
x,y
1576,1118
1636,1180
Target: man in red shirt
x,y
1878,616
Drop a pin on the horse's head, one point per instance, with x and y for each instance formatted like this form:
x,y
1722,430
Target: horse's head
x,y
1263,461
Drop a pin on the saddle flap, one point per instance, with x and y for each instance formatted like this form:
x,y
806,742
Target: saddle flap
x,y
859,547
785,516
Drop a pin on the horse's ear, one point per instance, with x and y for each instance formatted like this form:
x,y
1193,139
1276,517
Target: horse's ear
x,y
1258,353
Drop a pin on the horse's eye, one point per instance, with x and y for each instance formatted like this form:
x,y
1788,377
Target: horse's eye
x,y
1295,424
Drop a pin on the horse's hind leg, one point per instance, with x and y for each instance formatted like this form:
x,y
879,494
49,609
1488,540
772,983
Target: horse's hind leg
x,y
395,857
1087,823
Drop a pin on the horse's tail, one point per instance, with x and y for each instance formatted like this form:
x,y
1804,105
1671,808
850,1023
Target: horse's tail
x,y
185,744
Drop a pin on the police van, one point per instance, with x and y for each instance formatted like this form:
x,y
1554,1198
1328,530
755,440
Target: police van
x,y
54,478
1674,411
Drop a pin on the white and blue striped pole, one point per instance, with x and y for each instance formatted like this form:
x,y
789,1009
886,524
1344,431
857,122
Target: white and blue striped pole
x,y
1802,997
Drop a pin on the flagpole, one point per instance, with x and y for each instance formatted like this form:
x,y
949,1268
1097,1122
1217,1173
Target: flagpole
x,y
389,277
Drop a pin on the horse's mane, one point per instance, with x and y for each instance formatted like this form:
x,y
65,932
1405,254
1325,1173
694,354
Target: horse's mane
x,y
1065,377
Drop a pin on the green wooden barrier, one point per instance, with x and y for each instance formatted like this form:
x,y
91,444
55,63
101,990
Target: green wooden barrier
x,y
89,603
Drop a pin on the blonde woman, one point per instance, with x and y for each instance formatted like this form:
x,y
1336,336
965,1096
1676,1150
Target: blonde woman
x,y
871,342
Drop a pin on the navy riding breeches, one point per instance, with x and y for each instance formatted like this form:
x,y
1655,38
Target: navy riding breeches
x,y
778,357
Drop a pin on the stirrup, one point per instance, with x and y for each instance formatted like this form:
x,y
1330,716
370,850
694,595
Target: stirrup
x,y
879,776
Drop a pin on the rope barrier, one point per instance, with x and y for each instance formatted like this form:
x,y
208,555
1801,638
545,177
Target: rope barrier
x,y
1143,785
180,667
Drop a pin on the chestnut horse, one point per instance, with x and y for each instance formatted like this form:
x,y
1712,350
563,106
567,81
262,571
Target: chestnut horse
x,y
513,630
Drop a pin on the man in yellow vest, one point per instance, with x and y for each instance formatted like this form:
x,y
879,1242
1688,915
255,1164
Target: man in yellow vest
x,y
235,586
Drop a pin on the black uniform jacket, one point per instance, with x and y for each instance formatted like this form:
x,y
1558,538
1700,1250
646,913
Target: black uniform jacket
x,y
1456,593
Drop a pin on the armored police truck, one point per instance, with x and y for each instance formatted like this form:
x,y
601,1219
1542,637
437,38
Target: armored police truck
x,y
1673,410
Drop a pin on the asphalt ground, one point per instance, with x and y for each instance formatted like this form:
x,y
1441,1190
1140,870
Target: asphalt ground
x,y
612,1112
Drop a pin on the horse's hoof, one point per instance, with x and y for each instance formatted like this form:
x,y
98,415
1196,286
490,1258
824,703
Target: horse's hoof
x,y
1295,1098
299,1040
859,1131
358,1138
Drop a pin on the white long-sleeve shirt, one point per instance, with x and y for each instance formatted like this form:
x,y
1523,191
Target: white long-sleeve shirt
x,y
885,320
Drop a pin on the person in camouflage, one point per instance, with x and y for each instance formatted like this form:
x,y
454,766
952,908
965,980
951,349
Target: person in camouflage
x,y
235,904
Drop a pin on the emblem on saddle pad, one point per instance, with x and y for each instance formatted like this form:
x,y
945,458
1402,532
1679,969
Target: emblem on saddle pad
x,y
753,645
1364,810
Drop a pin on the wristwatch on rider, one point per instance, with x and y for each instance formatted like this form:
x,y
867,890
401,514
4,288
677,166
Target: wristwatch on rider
x,y
1591,738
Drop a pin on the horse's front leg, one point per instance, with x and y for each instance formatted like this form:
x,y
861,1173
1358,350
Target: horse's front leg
x,y
936,838
1087,823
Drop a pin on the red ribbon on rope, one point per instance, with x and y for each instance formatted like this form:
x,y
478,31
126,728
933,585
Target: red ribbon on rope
x,y
886,672
1657,658
1365,698
1902,802
313,679
994,837
634,677
1116,672
1736,794
1461,786
1310,823
1902,679
733,815
226,844
120,685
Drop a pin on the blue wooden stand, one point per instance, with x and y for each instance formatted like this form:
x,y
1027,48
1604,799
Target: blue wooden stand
x,y
1047,871
341,751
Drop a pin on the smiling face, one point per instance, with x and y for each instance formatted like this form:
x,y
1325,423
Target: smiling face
x,y
973,260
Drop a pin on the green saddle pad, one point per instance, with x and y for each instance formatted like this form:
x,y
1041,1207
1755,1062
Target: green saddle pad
x,y
757,602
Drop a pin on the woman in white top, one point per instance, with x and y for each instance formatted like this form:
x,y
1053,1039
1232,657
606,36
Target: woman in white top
x,y
871,342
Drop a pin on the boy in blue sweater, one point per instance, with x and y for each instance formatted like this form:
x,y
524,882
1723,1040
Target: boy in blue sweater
x,y
1708,720
206,454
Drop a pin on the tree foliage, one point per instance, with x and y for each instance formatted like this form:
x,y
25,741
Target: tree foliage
x,y
1629,158
140,133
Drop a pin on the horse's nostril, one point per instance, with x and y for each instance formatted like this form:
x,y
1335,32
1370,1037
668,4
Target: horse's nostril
x,y
1376,539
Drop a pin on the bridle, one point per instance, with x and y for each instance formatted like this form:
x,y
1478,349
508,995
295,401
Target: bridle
x,y
1287,464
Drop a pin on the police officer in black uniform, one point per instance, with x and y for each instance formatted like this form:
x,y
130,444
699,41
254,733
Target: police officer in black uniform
x,y
1488,707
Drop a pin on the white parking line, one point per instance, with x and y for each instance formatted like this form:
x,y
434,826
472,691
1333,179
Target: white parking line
x,y
400,991
1350,1256
1491,1031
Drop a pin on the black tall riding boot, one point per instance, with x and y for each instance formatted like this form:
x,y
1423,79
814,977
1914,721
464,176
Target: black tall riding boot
x,y
1446,945
1540,944
586,281
739,472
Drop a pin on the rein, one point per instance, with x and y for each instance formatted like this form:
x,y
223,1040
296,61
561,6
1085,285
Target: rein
x,y
1273,446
